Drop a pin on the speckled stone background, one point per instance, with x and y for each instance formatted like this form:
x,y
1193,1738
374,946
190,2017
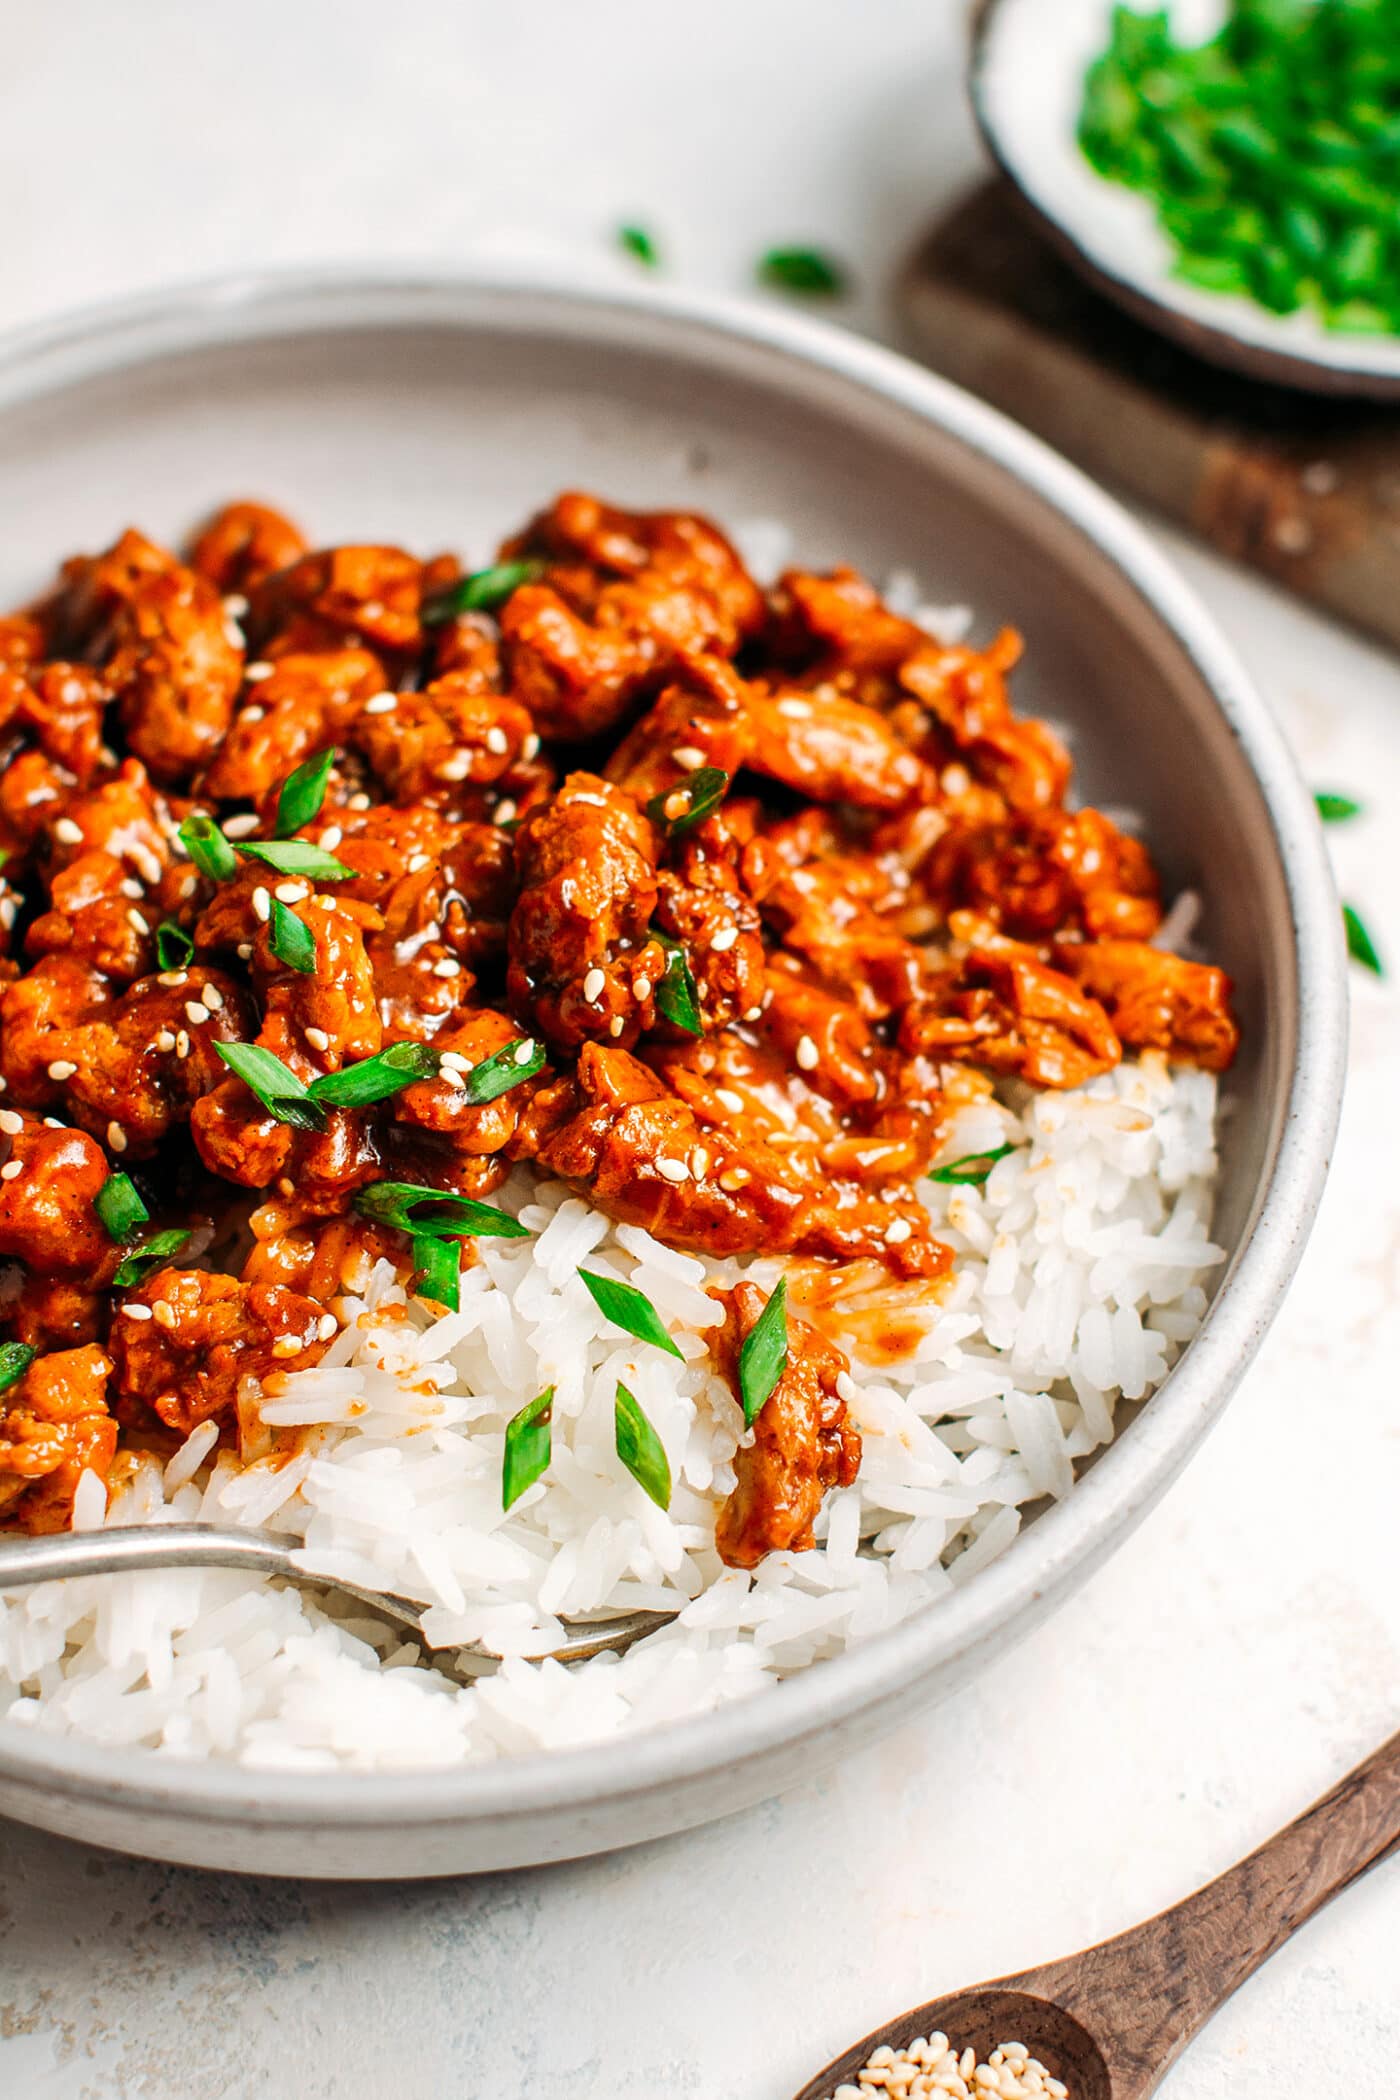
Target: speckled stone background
x,y
1234,1657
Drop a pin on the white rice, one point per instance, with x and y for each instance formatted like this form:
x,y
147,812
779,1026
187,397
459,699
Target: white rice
x,y
1081,1273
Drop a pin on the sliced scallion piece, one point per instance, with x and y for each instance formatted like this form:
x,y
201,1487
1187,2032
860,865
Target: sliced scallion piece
x,y
637,241
302,793
972,1169
627,1308
15,1359
677,1000
412,1207
689,802
151,1255
437,1270
1335,809
1360,947
506,1068
529,1439
641,1449
763,1357
482,591
119,1206
208,848
805,270
296,857
376,1078
174,947
281,1093
291,939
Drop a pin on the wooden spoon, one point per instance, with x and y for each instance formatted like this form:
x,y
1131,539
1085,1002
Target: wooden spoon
x,y
1111,2022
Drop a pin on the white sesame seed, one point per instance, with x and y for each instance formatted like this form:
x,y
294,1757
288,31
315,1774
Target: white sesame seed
x,y
371,609
382,704
796,710
323,901
12,1170
724,940
755,1013
253,674
331,838
673,1169
136,921
131,888
146,863
807,1054
593,984
504,812
67,832
450,1075
62,1068
288,1345
212,997
728,1099
734,1178
898,1229
4,1084
616,1026
417,862
453,1061
290,892
189,883
688,755
137,1312
244,951
165,1041
196,1012
163,1313
675,805
241,827
8,911
182,1044
456,767
318,1039
531,746
11,1123
497,741
52,1123
253,714
116,1137
327,1327
448,967
641,987
235,605
286,1187
525,1051
360,801
173,979
699,1161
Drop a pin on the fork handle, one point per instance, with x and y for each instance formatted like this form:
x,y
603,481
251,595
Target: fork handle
x,y
128,1549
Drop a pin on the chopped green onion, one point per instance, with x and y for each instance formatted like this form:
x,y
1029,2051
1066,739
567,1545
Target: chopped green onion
x,y
296,857
281,1093
139,1264
1360,947
376,1078
303,792
637,241
437,1270
529,1438
677,1000
173,945
208,848
1335,809
641,1449
482,591
627,1308
402,1203
698,795
973,1168
15,1359
504,1069
763,1357
292,940
119,1206
804,270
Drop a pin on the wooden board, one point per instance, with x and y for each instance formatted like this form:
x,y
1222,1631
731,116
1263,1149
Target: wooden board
x,y
1304,488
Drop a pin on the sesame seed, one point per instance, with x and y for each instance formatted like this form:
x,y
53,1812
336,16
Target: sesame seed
x,y
327,1327
290,892
137,1312
131,888
807,1054
252,714
897,1230
453,1061
504,812
288,1345
67,832
235,605
182,1044
641,987
796,710
4,1084
754,1013
331,838
136,921
616,1026
241,827
724,940
673,1169
455,768
244,951
147,864
675,805
253,674
593,985
116,1137
525,1051
699,1161
196,1012
11,1123
448,967
8,911
417,862
12,1170
62,1068
323,902
165,1040
189,883
173,979
497,741
212,997
52,1123
531,746
452,1075
163,1313
360,801
318,1039
371,609
728,1099
688,755
382,704
734,1178
286,1187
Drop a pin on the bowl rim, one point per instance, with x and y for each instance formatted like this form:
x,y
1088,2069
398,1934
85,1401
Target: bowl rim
x,y
1133,1471
1261,351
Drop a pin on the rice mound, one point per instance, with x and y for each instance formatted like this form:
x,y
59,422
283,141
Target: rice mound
x,y
1081,1272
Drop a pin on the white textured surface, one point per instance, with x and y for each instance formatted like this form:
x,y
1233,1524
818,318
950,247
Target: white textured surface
x,y
1230,1661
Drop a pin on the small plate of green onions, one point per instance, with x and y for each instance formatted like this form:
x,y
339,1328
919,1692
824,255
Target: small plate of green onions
x,y
1228,170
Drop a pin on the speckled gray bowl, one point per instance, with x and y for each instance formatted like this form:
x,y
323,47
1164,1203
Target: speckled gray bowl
x,y
437,410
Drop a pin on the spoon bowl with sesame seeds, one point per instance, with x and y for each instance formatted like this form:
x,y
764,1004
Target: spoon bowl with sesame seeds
x,y
1108,2023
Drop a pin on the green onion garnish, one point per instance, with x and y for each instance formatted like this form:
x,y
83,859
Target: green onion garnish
x,y
174,947
120,1207
804,270
281,1093
676,997
689,802
437,1270
295,857
637,241
292,940
528,1441
628,1308
506,1068
1335,809
15,1359
303,792
973,1168
763,1357
376,1078
144,1259
411,1207
641,1449
482,591
1360,947
208,848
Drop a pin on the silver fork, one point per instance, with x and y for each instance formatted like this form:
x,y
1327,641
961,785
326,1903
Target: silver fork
x,y
129,1549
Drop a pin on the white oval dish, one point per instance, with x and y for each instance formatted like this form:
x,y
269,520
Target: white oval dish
x,y
440,409
1029,59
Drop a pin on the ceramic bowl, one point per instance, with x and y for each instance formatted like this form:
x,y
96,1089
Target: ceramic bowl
x,y
438,410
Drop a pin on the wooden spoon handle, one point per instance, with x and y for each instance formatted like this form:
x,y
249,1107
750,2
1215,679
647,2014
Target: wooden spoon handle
x,y
1144,1994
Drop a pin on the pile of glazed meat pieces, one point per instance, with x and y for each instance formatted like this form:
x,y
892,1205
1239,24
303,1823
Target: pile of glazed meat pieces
x,y
890,884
